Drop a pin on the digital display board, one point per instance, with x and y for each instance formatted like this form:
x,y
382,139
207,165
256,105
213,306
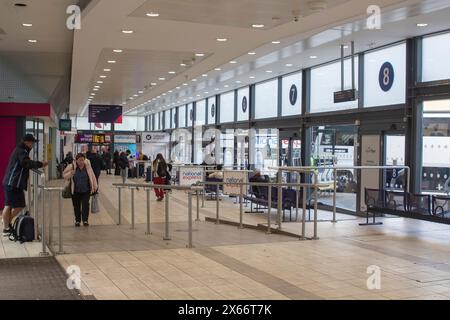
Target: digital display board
x,y
93,138
105,114
65,125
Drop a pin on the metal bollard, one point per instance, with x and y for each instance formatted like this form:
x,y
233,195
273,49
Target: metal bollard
x,y
334,196
132,208
148,213
44,246
241,208
297,194
269,231
315,208
120,206
217,205
203,197
60,223
35,207
50,220
304,214
190,218
280,200
198,205
166,234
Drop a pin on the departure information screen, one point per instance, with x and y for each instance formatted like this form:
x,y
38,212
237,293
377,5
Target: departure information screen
x,y
105,114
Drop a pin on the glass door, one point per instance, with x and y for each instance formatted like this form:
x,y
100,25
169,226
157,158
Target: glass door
x,y
394,155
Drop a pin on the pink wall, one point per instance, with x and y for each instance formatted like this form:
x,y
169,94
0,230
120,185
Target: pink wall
x,y
25,109
7,145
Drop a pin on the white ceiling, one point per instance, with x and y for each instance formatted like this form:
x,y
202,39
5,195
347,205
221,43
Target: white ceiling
x,y
30,72
159,45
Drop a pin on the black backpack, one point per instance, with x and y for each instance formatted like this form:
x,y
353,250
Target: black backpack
x,y
23,229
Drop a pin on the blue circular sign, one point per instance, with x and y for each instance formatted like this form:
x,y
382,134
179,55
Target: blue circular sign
x,y
244,104
386,76
293,95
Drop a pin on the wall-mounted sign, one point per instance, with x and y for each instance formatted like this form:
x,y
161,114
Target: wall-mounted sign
x,y
386,76
93,138
190,175
345,96
65,125
293,95
124,138
244,104
105,114
152,137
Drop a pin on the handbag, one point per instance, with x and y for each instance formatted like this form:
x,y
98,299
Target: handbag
x,y
94,204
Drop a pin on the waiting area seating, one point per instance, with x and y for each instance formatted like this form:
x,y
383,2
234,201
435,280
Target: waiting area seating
x,y
420,206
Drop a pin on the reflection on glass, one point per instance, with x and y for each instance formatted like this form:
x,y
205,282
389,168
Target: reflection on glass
x,y
266,151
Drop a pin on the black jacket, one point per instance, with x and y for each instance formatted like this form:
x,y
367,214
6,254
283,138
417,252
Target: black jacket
x,y
96,162
18,170
123,162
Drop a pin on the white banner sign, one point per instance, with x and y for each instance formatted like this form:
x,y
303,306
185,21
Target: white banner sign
x,y
151,137
234,177
124,138
190,175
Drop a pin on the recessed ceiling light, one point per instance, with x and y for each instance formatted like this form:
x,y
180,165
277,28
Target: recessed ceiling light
x,y
198,95
206,92
313,57
131,98
32,41
100,82
111,61
345,47
178,88
95,89
222,39
252,77
226,86
107,70
218,69
238,81
257,25
422,25
27,24
217,89
164,94
141,92
135,95
172,72
152,14
276,42
161,79
183,64
199,54
194,80
127,31
93,94
269,71
102,76
289,65
233,62
153,84
118,50
185,84
252,53
170,91
204,75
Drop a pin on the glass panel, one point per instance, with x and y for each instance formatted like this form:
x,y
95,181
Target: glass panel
x,y
190,115
266,151
212,111
335,145
395,156
227,107
436,146
243,107
227,144
435,53
167,119
385,76
242,148
200,113
292,95
182,117
266,100
326,80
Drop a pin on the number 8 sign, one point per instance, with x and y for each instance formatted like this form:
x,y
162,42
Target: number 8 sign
x,y
386,77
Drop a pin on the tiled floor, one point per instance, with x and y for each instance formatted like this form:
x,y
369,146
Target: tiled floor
x,y
228,263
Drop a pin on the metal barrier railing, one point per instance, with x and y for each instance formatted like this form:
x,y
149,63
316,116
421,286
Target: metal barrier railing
x,y
58,192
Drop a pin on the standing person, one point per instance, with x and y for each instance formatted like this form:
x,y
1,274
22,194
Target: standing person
x,y
84,184
96,163
124,165
116,163
16,180
159,175
68,159
107,160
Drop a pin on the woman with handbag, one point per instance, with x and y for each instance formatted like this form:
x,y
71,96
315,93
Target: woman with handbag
x,y
82,184
159,175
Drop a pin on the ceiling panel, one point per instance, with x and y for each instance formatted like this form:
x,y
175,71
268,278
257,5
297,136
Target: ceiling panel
x,y
235,13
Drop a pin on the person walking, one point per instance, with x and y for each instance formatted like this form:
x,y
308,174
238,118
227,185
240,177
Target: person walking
x,y
16,178
96,163
159,175
116,157
84,184
107,160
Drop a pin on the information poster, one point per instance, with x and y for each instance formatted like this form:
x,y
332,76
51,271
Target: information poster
x,y
370,156
191,175
232,177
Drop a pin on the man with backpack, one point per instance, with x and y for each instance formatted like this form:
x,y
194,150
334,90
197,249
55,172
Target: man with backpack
x,y
15,181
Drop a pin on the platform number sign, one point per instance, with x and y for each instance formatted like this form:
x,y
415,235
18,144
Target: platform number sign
x,y
293,95
244,104
213,110
386,77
